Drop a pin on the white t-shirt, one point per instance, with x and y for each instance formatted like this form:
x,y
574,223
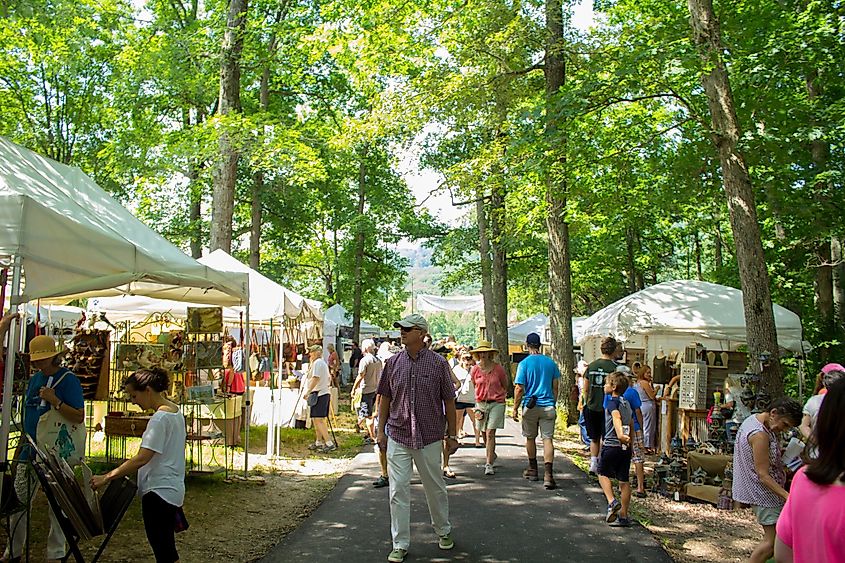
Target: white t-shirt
x,y
812,408
371,367
466,393
320,370
164,474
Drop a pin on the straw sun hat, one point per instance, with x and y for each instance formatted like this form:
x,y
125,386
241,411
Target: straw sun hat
x,y
43,347
484,346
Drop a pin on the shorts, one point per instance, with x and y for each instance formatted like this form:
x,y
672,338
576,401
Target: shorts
x,y
615,463
539,418
766,515
594,421
494,415
365,408
463,406
321,409
638,447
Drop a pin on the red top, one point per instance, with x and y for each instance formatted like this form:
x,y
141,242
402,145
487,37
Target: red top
x,y
417,389
490,386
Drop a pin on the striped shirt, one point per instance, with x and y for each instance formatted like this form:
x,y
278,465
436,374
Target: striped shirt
x,y
417,389
747,487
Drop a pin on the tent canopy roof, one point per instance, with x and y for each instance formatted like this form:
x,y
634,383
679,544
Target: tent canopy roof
x,y
268,300
701,309
339,316
76,241
520,331
461,303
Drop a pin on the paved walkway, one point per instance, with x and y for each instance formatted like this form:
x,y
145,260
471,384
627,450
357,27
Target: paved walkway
x,y
502,518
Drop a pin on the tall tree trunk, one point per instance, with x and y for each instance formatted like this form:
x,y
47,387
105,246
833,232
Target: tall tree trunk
x,y
499,274
194,190
486,264
629,255
358,274
838,283
557,191
824,290
757,301
698,270
226,171
717,250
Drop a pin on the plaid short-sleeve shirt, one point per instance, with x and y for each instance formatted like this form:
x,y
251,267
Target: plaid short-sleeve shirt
x,y
417,389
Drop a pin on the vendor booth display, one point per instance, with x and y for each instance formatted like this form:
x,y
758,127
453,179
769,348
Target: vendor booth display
x,y
691,330
282,322
65,238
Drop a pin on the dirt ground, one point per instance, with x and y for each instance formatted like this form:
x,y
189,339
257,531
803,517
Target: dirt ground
x,y
238,520
690,532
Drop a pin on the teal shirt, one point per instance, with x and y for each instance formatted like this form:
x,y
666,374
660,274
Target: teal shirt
x,y
536,373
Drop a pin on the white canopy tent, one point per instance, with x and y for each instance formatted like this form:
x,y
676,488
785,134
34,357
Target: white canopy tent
x,y
457,303
268,299
63,238
683,311
539,324
74,240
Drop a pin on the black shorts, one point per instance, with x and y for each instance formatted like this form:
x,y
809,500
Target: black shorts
x,y
159,523
615,463
365,409
463,406
321,409
594,422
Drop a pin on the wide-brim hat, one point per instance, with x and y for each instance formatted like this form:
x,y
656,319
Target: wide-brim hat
x,y
483,346
43,347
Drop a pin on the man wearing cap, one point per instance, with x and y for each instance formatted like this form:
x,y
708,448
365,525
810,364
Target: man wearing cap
x,y
369,371
535,389
51,387
319,382
417,403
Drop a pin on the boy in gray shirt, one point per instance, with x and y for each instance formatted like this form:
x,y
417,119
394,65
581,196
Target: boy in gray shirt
x,y
615,457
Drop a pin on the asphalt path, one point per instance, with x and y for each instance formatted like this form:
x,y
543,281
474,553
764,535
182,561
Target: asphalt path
x,y
499,518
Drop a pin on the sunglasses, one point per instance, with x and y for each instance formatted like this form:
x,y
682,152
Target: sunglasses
x,y
408,329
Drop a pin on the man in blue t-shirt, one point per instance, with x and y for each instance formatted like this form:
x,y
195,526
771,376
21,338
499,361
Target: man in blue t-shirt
x,y
535,390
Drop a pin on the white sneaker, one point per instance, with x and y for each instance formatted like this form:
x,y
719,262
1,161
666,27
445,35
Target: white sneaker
x,y
488,469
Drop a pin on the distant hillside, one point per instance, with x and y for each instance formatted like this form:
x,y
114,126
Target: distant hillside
x,y
417,255
424,279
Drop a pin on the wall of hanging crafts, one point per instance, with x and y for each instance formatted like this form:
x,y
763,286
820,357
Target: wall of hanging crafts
x,y
88,359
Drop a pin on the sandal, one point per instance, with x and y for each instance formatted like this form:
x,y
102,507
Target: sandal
x,y
449,473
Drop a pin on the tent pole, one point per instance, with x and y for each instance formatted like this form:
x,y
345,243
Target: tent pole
x,y
271,426
248,411
8,380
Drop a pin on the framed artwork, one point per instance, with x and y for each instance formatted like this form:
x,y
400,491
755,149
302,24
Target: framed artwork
x,y
134,356
205,320
206,354
658,390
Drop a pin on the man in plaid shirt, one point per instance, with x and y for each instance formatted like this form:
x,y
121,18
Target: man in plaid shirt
x,y
417,405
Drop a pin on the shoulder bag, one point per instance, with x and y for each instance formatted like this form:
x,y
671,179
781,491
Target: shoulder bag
x,y
57,433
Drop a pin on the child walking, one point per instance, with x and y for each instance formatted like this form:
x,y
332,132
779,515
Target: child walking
x,y
615,457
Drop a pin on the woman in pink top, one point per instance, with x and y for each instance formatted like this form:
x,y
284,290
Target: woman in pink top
x,y
491,385
811,527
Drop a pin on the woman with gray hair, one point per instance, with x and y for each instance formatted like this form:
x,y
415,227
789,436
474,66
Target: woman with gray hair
x,y
369,372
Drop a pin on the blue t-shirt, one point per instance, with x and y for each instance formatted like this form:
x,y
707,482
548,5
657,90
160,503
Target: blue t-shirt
x,y
536,373
634,400
69,390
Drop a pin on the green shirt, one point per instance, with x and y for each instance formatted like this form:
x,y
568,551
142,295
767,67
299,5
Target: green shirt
x,y
597,372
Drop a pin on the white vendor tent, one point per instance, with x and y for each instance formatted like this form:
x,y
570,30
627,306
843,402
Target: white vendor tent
x,y
63,238
337,318
684,311
74,240
268,300
539,324
460,303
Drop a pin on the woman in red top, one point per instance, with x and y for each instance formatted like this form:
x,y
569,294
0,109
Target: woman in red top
x,y
491,386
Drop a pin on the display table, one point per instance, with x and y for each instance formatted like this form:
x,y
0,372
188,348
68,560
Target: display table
x,y
275,404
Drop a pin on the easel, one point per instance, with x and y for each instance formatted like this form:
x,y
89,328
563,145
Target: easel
x,y
114,503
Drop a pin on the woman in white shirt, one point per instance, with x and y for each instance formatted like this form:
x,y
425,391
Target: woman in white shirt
x,y
160,463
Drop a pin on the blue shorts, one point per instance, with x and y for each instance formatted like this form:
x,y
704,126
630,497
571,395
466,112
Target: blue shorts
x,y
321,409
